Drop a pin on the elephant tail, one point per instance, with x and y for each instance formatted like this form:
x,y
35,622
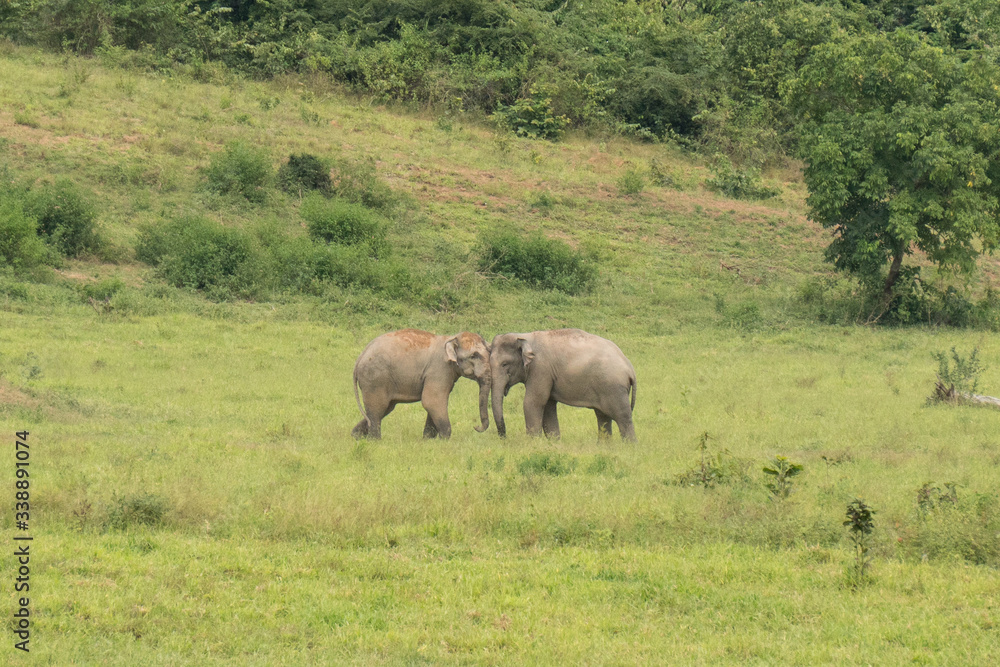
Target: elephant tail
x,y
357,398
634,387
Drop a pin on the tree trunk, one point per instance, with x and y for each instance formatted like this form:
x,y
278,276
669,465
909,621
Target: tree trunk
x,y
890,280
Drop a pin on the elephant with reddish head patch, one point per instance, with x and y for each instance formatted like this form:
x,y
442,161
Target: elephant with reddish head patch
x,y
567,366
409,365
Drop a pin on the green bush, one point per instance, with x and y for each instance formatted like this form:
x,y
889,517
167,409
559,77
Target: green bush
x,y
632,182
303,265
201,254
358,182
240,169
66,217
20,246
535,261
737,183
338,221
304,172
533,117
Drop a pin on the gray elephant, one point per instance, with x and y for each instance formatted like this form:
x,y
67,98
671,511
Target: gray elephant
x,y
567,366
409,365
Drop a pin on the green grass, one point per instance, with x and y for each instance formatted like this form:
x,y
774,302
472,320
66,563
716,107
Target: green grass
x,y
197,498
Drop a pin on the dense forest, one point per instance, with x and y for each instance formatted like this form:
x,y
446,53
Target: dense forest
x,y
892,105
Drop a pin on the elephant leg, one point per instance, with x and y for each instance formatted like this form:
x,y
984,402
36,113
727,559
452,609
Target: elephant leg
x,y
430,431
627,429
603,425
536,398
435,402
377,407
550,420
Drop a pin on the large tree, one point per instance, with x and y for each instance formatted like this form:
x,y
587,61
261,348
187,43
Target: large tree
x,y
901,139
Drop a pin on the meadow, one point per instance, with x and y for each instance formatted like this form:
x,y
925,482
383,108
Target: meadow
x,y
197,497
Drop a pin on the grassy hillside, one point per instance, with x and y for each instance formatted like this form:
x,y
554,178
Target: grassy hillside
x,y
197,498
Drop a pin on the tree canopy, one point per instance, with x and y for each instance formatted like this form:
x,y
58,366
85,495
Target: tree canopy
x,y
901,142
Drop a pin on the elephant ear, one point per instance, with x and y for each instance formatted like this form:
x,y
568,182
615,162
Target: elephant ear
x,y
527,354
450,347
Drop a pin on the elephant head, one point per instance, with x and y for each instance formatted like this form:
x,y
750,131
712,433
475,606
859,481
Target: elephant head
x,y
510,356
471,357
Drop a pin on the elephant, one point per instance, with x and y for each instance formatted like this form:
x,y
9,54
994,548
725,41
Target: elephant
x,y
409,365
567,366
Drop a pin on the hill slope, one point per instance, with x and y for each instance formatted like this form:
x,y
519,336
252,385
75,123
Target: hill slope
x,y
196,497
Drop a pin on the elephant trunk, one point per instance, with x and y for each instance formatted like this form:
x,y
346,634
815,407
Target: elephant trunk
x,y
498,391
484,393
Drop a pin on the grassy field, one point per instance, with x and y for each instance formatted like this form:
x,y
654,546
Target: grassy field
x,y
197,498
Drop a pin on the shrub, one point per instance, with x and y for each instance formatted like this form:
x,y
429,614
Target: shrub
x,y
860,525
306,266
737,183
240,169
337,221
200,254
304,172
632,182
536,261
533,117
357,181
720,468
104,289
66,217
781,471
20,246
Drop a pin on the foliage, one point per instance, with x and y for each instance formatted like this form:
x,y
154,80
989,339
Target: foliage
x,y
66,217
712,470
197,253
358,181
304,172
860,524
240,169
20,246
931,498
632,182
898,151
781,471
338,221
737,183
536,261
960,374
533,117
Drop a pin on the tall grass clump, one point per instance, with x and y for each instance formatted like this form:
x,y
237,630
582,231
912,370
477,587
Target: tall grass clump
x,y
240,169
66,216
535,261
346,223
197,253
142,509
